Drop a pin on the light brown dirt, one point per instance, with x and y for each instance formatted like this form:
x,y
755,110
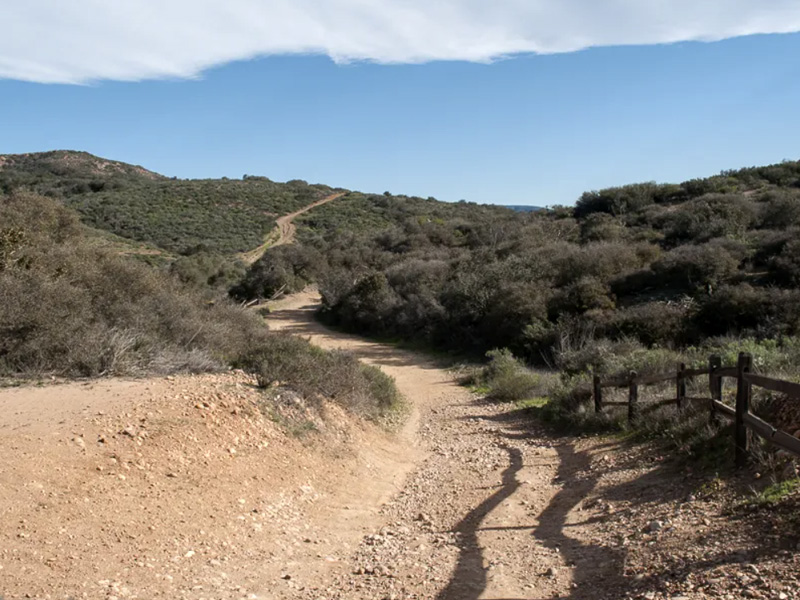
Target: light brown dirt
x,y
185,488
284,231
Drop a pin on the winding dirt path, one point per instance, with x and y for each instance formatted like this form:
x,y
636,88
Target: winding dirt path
x,y
284,231
467,521
186,488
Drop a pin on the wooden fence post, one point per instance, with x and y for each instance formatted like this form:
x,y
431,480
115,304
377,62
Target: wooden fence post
x,y
633,398
598,394
714,385
743,393
681,385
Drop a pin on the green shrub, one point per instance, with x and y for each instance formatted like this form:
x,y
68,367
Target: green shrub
x,y
780,209
508,380
696,266
71,308
283,360
652,323
288,268
747,310
711,216
785,266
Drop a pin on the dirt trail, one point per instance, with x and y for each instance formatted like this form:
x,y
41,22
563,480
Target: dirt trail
x,y
182,487
175,488
466,523
284,231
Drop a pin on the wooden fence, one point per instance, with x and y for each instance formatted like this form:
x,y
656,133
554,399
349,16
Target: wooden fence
x,y
743,418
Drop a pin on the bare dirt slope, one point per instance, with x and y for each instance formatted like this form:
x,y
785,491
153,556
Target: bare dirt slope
x,y
183,488
284,231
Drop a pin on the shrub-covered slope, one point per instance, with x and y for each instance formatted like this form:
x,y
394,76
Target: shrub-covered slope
x,y
73,307
222,215
637,266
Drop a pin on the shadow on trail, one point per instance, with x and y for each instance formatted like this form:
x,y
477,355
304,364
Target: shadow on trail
x,y
596,569
470,578
301,322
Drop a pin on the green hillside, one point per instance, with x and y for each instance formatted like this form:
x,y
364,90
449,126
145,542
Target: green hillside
x,y
631,268
637,267
222,215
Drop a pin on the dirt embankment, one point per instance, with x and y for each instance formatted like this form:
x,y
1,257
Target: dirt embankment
x,y
184,488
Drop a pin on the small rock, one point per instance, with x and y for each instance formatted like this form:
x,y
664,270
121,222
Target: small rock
x,y
654,526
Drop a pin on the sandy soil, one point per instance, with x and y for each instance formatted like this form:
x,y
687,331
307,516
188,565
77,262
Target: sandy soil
x,y
186,487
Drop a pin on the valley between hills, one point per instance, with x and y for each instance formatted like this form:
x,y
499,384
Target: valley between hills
x,y
251,389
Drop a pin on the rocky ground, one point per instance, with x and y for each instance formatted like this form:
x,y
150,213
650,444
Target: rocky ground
x,y
189,487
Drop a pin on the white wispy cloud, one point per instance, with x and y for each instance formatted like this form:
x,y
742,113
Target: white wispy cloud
x,y
79,41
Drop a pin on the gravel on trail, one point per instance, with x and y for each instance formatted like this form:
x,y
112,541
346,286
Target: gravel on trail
x,y
184,487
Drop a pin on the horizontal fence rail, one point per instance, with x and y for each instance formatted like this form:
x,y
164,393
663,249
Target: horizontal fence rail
x,y
741,415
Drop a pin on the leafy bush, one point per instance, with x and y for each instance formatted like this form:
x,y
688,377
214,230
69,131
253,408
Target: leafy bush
x,y
287,268
74,309
696,266
652,323
748,310
508,379
780,209
285,360
710,216
785,267
206,269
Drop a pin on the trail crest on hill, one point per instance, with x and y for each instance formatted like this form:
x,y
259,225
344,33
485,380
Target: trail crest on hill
x,y
284,231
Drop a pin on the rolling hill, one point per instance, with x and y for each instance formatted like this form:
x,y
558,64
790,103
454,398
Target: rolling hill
x,y
222,215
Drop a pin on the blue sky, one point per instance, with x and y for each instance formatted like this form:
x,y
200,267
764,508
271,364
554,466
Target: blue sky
x,y
527,129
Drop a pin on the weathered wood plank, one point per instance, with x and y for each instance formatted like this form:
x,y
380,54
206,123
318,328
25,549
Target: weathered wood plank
x,y
615,382
633,398
624,381
776,385
727,372
597,392
714,386
744,393
696,372
653,379
724,409
779,438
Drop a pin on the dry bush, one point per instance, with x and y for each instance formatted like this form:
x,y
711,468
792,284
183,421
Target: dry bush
x,y
73,309
288,361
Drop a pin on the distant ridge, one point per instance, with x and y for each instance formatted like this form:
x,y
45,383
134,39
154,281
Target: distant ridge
x,y
65,163
523,207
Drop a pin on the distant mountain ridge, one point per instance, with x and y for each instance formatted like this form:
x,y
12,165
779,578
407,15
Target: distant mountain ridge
x,y
524,207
